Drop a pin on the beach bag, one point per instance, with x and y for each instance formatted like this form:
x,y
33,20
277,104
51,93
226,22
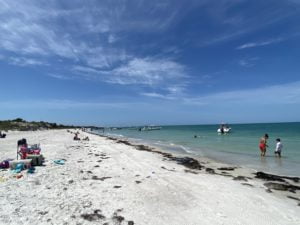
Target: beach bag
x,y
36,160
4,164
35,149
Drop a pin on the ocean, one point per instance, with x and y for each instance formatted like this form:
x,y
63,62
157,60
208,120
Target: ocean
x,y
240,147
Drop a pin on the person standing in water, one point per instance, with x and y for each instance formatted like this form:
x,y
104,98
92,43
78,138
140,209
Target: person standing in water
x,y
222,129
278,147
263,145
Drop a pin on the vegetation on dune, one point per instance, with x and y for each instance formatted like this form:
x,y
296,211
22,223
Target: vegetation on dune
x,y
23,125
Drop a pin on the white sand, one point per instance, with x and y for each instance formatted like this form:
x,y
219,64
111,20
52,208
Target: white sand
x,y
60,194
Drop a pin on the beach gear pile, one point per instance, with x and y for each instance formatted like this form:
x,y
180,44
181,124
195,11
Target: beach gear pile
x,y
26,150
31,152
30,156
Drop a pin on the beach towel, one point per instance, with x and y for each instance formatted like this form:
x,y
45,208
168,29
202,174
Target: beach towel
x,y
19,168
59,161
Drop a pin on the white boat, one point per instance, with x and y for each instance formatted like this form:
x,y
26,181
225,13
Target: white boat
x,y
225,130
148,128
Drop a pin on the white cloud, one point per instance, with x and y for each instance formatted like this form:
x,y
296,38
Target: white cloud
x,y
232,24
65,104
35,29
112,38
245,63
85,70
30,38
157,95
248,62
277,94
148,71
59,76
258,44
156,73
47,29
176,89
22,61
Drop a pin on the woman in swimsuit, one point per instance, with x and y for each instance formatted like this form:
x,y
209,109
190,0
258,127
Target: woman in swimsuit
x,y
263,145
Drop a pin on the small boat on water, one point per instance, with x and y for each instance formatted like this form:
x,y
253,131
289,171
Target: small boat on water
x,y
149,128
224,129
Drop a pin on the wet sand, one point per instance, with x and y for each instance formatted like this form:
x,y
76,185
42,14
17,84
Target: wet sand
x,y
113,181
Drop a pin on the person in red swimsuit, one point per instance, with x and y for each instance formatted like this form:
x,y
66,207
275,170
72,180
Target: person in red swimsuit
x,y
263,145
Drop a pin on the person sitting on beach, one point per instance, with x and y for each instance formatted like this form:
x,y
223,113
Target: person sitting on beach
x,y
76,138
263,145
278,147
2,135
86,138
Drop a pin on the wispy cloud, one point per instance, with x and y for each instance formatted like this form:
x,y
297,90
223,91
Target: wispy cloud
x,y
258,44
176,89
157,95
22,61
248,62
112,38
232,24
45,29
59,76
151,72
148,71
85,70
171,92
288,93
62,104
277,94
33,29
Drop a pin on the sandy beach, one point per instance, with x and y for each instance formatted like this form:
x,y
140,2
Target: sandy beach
x,y
107,181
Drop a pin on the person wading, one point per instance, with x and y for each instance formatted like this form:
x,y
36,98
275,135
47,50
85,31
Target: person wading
x,y
263,145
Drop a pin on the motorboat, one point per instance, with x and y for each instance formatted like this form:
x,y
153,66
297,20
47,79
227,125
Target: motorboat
x,y
149,128
224,129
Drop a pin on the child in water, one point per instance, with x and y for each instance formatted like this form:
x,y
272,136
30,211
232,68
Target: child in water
x,y
278,147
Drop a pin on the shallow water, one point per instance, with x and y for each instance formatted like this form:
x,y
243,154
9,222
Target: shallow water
x,y
240,147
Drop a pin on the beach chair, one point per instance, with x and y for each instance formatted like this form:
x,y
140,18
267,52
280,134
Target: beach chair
x,y
23,149
22,152
21,143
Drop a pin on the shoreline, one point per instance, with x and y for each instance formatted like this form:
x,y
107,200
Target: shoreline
x,y
238,148
238,173
205,160
105,182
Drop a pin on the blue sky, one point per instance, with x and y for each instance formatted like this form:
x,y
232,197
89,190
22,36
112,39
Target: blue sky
x,y
134,62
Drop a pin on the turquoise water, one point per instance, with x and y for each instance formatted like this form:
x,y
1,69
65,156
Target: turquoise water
x,y
239,147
